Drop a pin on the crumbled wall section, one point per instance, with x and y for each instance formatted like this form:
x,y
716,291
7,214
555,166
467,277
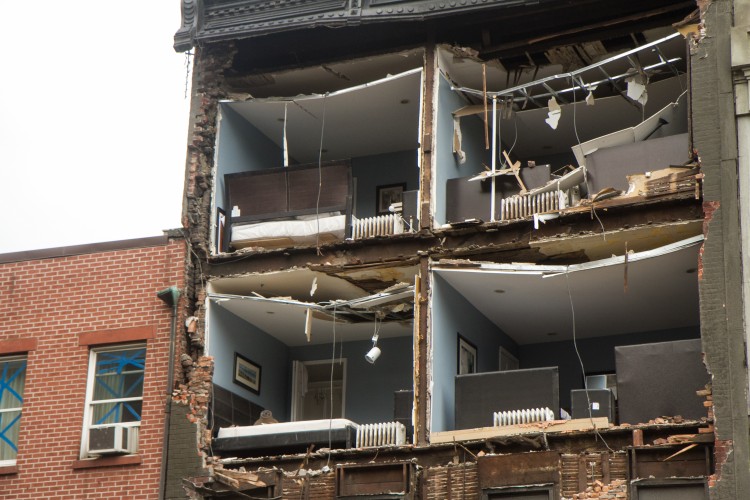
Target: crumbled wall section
x,y
318,487
714,135
581,473
52,302
210,64
451,481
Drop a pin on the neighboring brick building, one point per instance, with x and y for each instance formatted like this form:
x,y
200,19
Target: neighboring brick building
x,y
69,315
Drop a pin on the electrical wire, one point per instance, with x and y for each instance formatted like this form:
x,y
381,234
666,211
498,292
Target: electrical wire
x,y
333,365
320,176
580,359
187,72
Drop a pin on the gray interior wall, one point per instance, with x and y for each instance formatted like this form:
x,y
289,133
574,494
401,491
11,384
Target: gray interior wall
x,y
369,387
451,315
228,334
598,355
472,131
377,170
241,148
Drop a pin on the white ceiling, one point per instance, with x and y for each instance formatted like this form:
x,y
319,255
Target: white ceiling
x,y
380,117
334,76
286,322
533,138
283,317
294,283
661,294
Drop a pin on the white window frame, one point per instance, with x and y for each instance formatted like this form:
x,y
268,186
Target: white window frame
x,y
5,359
90,381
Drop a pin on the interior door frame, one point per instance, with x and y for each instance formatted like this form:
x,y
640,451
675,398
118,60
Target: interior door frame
x,y
296,406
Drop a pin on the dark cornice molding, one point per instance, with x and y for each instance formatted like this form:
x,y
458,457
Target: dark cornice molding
x,y
216,20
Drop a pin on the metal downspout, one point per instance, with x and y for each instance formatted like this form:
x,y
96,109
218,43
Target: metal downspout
x,y
171,297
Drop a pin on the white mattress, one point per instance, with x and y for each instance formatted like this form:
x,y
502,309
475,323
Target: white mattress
x,y
299,231
285,427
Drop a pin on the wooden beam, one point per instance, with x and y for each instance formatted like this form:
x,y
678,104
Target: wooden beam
x,y
580,424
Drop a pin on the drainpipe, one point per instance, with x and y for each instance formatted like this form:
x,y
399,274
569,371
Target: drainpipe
x,y
171,297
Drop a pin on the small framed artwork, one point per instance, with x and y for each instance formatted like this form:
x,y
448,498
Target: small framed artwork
x,y
246,373
387,195
467,356
221,219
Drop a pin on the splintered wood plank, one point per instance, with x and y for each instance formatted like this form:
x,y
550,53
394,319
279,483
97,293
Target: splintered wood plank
x,y
580,424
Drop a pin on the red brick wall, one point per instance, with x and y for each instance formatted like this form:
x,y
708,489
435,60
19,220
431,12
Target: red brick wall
x,y
54,301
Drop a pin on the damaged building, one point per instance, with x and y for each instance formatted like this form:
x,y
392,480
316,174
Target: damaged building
x,y
466,249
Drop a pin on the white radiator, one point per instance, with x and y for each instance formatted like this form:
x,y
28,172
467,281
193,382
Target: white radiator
x,y
527,416
383,434
381,225
522,206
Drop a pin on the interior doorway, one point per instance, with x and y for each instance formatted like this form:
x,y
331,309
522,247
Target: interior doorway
x,y
318,389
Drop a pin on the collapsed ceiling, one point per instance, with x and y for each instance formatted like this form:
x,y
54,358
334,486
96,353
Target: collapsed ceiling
x,y
657,289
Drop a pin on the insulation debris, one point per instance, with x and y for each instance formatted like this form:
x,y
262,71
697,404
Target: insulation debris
x,y
553,117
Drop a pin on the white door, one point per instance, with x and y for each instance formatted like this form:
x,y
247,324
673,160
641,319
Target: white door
x,y
318,391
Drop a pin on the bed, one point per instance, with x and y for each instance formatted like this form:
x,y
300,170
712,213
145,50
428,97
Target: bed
x,y
288,437
279,207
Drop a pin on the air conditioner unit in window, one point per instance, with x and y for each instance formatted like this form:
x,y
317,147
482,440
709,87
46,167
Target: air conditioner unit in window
x,y
113,440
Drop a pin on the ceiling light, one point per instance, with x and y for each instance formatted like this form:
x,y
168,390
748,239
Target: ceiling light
x,y
374,353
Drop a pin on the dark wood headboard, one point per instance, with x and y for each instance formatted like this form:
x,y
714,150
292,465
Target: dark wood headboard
x,y
287,192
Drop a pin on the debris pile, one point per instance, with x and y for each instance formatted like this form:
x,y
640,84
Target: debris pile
x,y
617,489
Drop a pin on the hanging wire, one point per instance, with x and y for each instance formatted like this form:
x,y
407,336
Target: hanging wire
x,y
580,359
333,365
320,177
188,54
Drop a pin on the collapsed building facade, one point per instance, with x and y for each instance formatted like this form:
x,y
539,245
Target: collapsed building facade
x,y
476,249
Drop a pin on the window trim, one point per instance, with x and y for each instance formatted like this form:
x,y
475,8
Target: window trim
x,y
500,492
9,358
88,405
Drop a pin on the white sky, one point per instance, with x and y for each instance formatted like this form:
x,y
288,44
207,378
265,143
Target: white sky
x,y
93,122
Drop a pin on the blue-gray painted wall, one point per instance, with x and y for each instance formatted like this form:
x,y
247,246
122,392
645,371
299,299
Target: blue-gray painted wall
x,y
383,169
452,314
598,355
369,387
241,147
228,334
472,132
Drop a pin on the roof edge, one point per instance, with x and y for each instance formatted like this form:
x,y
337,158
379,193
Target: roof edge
x,y
89,248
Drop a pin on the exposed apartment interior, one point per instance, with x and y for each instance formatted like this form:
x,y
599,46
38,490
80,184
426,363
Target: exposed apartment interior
x,y
462,250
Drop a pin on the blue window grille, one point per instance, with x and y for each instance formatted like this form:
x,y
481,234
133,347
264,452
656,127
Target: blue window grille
x,y
12,381
118,386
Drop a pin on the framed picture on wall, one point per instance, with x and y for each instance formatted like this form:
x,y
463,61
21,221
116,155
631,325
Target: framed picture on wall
x,y
467,356
221,219
388,194
246,373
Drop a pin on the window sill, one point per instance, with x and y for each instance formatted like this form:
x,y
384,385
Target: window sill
x,y
7,470
90,463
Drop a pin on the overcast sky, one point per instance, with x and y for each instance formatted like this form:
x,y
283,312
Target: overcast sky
x,y
93,124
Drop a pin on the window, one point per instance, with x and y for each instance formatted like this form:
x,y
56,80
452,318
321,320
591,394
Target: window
x,y
12,380
519,493
114,400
